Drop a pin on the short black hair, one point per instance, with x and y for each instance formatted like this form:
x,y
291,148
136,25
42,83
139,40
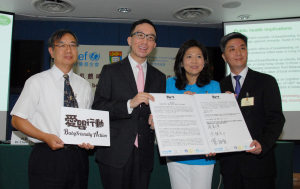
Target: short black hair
x,y
230,36
142,21
58,35
204,77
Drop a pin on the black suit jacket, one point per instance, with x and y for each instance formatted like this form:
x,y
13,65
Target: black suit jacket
x,y
264,120
115,87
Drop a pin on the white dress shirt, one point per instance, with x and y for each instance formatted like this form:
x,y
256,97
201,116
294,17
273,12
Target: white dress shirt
x,y
243,75
135,70
43,96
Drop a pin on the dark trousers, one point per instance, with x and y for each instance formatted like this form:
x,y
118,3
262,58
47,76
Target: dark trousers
x,y
131,176
57,169
235,180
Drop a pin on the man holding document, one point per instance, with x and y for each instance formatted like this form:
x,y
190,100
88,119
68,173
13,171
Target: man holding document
x,y
258,97
53,164
123,90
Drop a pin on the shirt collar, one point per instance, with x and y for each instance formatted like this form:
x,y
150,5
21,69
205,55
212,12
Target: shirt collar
x,y
134,63
242,73
58,74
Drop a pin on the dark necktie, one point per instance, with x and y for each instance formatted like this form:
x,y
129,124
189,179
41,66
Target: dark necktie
x,y
69,99
237,86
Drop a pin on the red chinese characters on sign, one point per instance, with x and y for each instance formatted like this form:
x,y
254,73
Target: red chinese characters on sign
x,y
72,121
90,76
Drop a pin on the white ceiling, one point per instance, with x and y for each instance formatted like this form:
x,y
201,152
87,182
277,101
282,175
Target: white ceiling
x,y
158,11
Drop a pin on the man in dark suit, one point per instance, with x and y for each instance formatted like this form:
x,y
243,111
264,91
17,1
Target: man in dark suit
x,y
128,162
263,115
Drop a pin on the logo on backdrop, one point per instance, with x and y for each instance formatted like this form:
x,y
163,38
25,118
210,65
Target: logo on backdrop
x,y
4,20
94,56
83,60
115,56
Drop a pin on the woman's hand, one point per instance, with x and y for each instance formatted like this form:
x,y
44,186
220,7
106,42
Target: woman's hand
x,y
189,93
210,154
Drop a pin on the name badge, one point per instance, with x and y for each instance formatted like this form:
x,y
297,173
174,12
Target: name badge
x,y
248,101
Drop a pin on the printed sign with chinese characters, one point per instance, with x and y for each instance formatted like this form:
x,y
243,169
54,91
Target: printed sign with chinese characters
x,y
84,126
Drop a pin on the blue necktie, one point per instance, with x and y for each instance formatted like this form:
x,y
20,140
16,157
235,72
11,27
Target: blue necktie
x,y
237,86
69,99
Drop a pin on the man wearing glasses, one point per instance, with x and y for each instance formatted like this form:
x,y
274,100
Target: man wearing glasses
x,y
53,164
123,90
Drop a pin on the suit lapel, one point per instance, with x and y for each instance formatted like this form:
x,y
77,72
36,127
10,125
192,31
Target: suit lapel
x,y
149,78
128,74
247,85
228,84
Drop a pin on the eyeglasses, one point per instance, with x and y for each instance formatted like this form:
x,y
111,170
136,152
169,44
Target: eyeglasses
x,y
141,35
65,46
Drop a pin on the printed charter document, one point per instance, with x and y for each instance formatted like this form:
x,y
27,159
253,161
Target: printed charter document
x,y
198,124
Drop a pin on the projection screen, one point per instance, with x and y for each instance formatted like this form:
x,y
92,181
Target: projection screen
x,y
6,29
274,48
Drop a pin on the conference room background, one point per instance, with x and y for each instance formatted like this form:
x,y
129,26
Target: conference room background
x,y
94,33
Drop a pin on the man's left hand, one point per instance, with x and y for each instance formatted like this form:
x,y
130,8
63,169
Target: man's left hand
x,y
150,121
87,146
257,149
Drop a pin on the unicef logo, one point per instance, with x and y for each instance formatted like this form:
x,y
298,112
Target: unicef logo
x,y
94,56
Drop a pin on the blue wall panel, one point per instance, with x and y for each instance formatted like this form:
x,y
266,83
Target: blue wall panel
x,y
94,33
208,36
124,33
90,33
163,36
